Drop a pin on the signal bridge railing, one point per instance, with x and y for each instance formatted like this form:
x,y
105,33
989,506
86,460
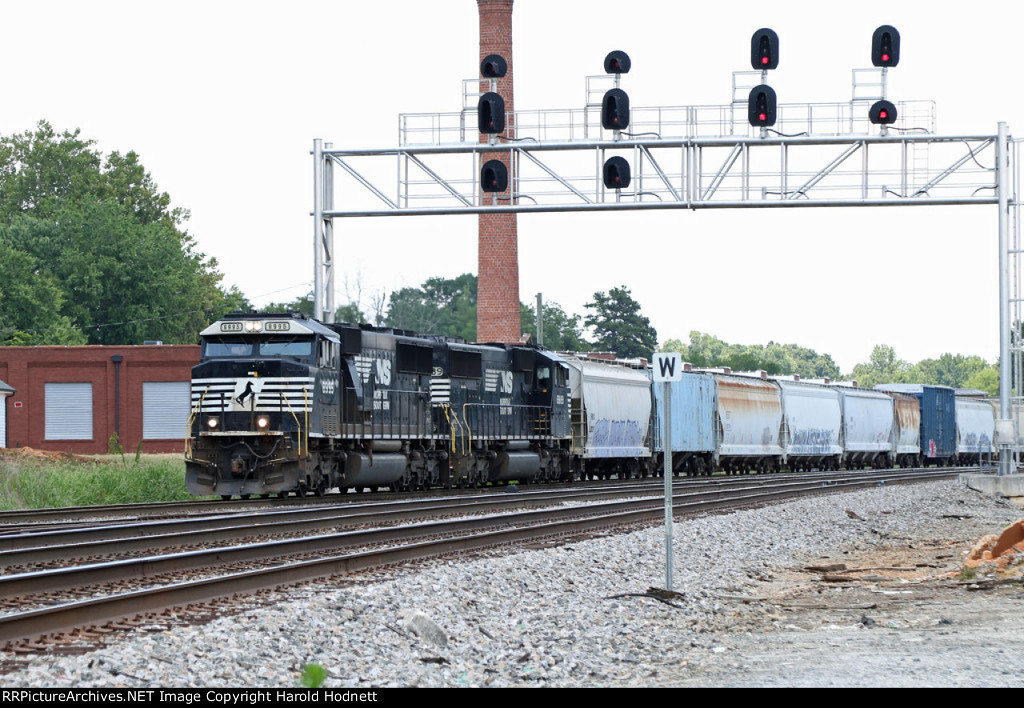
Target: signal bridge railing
x,y
667,122
684,173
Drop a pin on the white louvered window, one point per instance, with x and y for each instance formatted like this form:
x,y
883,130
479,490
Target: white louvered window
x,y
165,408
68,409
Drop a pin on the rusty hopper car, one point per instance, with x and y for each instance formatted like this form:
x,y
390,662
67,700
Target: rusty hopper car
x,y
749,412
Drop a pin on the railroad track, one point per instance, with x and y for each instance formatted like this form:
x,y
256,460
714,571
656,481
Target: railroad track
x,y
156,577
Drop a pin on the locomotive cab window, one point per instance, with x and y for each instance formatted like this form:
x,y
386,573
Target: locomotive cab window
x,y
561,376
227,347
290,347
543,376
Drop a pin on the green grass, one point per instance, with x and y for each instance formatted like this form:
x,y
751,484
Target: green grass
x,y
27,483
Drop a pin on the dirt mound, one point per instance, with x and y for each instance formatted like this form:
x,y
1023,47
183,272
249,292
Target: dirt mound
x,y
30,454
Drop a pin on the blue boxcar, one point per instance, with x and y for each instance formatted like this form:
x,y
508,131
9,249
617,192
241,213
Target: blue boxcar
x,y
693,423
938,419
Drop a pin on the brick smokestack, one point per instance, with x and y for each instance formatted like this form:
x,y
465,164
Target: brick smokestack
x,y
497,314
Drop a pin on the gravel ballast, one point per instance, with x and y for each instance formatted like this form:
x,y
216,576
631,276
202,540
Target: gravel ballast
x,y
580,615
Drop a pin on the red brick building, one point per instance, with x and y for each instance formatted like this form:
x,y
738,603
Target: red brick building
x,y
73,399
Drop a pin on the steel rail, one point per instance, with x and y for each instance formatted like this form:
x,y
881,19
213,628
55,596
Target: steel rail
x,y
24,584
65,545
38,624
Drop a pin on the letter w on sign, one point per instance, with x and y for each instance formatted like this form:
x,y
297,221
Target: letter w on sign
x,y
668,366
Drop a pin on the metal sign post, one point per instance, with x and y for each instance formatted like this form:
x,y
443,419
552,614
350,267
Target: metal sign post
x,y
668,367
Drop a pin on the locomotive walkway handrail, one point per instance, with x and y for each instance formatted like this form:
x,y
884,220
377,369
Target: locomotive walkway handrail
x,y
191,419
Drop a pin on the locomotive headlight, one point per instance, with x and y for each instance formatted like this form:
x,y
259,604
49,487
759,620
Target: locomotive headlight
x,y
262,422
212,423
253,326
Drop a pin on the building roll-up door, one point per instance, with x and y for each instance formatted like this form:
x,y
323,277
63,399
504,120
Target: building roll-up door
x,y
165,408
68,411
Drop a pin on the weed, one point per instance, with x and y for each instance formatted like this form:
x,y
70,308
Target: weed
x,y
313,675
32,484
114,446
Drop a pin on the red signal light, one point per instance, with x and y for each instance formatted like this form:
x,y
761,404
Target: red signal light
x,y
883,114
764,60
885,57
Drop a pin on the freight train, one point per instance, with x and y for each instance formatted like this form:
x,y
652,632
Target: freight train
x,y
285,404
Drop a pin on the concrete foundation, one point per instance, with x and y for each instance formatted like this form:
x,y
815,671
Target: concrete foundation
x,y
1009,486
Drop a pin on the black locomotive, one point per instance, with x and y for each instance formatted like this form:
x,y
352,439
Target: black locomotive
x,y
282,403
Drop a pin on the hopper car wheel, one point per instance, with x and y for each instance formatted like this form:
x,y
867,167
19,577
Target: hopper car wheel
x,y
302,490
282,494
265,496
225,497
244,496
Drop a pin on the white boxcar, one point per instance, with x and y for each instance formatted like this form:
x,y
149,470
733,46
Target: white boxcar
x,y
868,428
975,429
813,421
611,417
749,423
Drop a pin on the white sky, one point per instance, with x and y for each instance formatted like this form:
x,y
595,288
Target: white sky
x,y
222,100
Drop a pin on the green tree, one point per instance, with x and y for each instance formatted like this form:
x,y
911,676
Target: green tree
x,y
107,237
41,170
705,350
562,332
883,367
30,302
948,370
618,325
440,306
986,380
300,304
